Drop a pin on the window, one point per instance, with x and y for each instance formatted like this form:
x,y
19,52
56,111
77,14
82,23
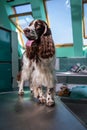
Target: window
x,y
21,18
23,8
25,15
59,13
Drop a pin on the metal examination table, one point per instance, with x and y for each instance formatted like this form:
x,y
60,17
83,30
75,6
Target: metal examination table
x,y
22,113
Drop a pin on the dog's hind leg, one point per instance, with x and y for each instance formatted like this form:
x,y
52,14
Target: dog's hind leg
x,y
31,85
20,82
20,85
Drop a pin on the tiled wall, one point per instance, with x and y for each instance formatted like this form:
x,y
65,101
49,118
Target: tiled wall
x,y
66,63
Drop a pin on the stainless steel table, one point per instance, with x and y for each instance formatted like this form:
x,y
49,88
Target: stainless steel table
x,y
23,113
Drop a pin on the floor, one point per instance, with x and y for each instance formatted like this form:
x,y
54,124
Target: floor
x,y
23,113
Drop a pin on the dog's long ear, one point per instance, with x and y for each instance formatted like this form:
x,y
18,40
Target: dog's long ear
x,y
46,48
47,30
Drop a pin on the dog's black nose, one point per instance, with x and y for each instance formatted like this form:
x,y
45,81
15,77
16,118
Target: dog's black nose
x,y
26,30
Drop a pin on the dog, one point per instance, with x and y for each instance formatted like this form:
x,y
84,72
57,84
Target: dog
x,y
38,62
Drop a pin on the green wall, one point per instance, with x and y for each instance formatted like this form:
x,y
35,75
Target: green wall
x,y
4,21
9,11
38,9
76,13
65,52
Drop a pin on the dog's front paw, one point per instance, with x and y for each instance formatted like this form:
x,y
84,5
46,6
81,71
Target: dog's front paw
x,y
21,93
50,102
42,100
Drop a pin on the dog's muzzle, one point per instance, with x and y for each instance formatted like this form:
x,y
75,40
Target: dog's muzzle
x,y
30,34
33,34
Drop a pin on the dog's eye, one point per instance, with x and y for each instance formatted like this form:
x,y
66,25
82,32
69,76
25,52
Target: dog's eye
x,y
27,30
38,26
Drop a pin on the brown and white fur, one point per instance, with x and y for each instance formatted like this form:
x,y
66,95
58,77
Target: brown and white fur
x,y
38,62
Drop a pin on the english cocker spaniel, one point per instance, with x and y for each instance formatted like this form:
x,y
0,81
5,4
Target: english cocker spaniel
x,y
38,62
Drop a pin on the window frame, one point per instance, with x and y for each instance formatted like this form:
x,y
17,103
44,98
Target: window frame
x,y
84,30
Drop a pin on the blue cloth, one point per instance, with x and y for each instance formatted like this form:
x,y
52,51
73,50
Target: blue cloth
x,y
79,92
